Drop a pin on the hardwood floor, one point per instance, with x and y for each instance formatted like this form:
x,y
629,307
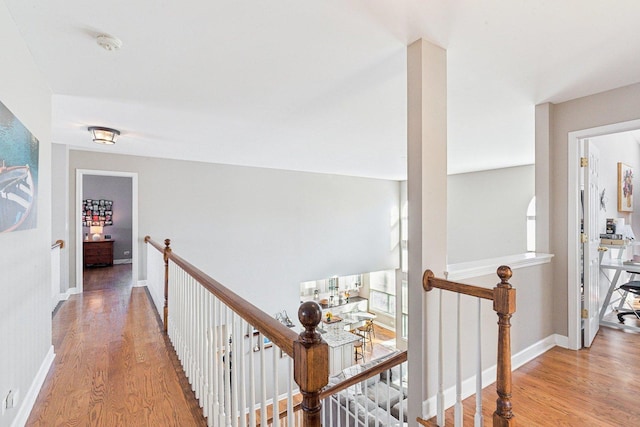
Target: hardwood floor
x,y
97,278
381,344
112,365
591,387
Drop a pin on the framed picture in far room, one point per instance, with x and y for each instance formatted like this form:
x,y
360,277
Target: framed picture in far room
x,y
625,188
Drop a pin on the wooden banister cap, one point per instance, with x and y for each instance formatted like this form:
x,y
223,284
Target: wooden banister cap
x,y
504,273
310,315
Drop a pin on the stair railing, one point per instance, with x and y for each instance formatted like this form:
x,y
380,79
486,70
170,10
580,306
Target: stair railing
x,y
222,342
504,303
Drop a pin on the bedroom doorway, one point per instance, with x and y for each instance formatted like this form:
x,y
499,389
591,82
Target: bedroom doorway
x,y
102,228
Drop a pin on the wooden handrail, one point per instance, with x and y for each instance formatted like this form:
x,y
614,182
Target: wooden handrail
x,y
503,296
364,375
281,336
309,351
429,281
58,244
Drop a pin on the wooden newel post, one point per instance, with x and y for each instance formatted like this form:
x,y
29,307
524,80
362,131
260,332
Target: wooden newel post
x,y
310,363
167,251
504,303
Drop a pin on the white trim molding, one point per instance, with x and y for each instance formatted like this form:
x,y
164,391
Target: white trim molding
x,y
483,267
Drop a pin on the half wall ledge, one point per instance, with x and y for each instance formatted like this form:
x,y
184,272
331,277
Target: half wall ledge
x,y
467,270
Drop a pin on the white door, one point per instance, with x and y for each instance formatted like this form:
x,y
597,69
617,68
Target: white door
x,y
591,262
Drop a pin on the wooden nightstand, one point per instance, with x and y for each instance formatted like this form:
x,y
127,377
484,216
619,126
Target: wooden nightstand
x,y
98,252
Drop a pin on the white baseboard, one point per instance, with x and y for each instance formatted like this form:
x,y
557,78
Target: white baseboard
x,y
73,291
63,296
32,394
140,284
429,406
562,341
122,261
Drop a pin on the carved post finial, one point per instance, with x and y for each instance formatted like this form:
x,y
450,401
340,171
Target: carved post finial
x,y
310,315
504,273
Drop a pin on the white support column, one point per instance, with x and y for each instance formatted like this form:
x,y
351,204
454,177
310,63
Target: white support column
x,y
427,198
544,114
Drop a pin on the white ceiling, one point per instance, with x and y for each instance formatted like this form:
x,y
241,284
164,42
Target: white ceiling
x,y
320,86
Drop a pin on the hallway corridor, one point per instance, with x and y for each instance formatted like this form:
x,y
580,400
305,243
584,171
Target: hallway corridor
x,y
112,367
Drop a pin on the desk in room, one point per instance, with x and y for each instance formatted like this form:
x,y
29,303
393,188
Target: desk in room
x,y
618,266
97,252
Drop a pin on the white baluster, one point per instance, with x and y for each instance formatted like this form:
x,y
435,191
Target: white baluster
x,y
196,336
275,406
235,367
290,414
252,381
216,359
227,367
440,398
478,419
401,415
263,383
243,371
458,406
210,361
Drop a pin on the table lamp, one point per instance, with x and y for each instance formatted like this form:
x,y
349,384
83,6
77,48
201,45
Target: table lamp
x,y
96,230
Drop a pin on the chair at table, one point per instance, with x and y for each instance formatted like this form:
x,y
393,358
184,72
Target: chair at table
x,y
634,288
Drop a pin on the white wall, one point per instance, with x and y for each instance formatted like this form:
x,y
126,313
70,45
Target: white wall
x,y
25,313
259,231
60,208
486,213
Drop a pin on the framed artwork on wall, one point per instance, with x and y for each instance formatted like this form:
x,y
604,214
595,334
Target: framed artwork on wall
x,y
97,212
19,155
625,188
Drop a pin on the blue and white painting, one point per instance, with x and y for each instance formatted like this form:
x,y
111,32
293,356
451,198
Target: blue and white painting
x,y
18,174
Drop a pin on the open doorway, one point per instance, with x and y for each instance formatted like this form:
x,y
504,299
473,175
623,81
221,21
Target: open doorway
x,y
581,317
106,227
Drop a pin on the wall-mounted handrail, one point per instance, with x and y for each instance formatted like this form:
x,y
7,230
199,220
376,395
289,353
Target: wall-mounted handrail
x,y
504,304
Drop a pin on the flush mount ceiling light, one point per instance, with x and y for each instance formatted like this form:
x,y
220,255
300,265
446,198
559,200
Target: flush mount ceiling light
x,y
102,135
109,42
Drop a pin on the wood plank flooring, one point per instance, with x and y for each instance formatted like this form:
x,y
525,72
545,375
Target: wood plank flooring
x,y
113,366
592,387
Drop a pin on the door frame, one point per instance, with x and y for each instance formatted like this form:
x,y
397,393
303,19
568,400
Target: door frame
x,y
574,318
80,173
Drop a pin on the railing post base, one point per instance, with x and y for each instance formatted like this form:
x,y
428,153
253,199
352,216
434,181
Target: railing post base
x,y
310,363
499,421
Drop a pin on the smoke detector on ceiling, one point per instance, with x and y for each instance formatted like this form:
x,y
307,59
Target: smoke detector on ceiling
x,y
109,42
